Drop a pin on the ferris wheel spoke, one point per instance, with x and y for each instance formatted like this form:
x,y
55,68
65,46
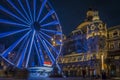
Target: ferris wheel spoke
x,y
28,6
46,35
55,50
47,50
58,66
53,31
47,15
20,49
57,41
31,44
50,23
5,53
13,15
40,62
21,59
8,61
12,23
40,50
34,3
40,11
12,32
9,1
24,9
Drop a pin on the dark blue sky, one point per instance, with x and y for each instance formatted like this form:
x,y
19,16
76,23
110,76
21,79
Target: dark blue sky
x,y
72,12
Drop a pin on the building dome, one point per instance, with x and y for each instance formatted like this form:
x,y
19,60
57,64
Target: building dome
x,y
88,20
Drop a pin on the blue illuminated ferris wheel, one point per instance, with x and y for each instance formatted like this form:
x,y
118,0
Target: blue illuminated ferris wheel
x,y
31,32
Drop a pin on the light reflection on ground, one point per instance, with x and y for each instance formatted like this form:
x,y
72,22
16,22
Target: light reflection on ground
x,y
70,78
45,79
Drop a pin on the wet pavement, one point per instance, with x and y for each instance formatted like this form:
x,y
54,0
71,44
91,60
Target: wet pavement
x,y
70,78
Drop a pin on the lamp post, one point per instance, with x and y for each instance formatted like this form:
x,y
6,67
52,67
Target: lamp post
x,y
102,67
102,61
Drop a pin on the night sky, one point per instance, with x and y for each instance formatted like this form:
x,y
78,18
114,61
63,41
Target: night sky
x,y
72,12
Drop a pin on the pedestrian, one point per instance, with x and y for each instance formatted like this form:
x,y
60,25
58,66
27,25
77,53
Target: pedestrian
x,y
83,73
94,73
103,75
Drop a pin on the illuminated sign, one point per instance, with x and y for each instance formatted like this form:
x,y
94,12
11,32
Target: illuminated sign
x,y
47,63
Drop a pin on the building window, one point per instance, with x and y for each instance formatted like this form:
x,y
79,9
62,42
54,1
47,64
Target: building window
x,y
110,35
116,57
92,27
73,59
100,26
79,58
111,46
115,33
119,44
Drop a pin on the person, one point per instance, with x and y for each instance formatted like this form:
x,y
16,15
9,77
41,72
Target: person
x,y
6,73
83,73
94,73
103,75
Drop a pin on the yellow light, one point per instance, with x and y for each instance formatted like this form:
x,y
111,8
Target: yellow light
x,y
98,33
53,43
102,60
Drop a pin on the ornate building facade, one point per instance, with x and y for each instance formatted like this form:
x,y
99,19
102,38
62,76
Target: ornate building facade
x,y
113,45
86,48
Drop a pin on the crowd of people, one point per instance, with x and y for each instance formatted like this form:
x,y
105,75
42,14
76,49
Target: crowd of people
x,y
102,75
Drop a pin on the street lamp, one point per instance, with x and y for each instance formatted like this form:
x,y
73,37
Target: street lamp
x,y
102,61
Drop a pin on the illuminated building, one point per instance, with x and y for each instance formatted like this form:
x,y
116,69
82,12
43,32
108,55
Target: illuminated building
x,y
113,45
86,48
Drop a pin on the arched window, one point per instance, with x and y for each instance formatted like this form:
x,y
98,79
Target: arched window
x,y
92,27
100,26
111,46
115,33
110,34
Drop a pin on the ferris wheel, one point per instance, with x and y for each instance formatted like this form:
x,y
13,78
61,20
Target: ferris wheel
x,y
31,32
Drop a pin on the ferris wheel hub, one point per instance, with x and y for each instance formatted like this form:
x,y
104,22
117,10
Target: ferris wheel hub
x,y
36,26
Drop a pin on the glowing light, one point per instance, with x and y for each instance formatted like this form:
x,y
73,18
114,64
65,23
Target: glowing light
x,y
52,39
102,60
46,63
60,40
53,42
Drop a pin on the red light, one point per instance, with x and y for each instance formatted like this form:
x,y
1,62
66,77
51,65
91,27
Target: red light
x,y
48,63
